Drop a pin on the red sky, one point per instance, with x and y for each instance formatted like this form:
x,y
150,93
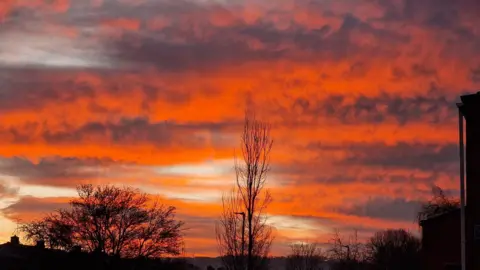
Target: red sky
x,y
361,95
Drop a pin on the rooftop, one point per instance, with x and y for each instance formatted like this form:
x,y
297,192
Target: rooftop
x,y
441,216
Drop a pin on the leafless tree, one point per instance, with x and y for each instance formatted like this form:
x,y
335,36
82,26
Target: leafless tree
x,y
348,253
229,231
111,220
51,229
438,205
250,198
305,256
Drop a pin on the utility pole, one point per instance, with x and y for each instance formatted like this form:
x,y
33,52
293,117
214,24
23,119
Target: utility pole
x,y
243,236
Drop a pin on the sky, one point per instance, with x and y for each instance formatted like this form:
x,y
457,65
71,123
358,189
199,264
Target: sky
x,y
151,94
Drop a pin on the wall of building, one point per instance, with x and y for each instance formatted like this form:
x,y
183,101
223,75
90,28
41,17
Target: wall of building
x,y
441,241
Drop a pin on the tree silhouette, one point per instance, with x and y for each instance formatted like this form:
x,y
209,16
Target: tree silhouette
x,y
111,220
250,198
347,253
304,256
438,205
394,249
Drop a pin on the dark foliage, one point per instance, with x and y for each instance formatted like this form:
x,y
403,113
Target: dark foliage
x,y
394,250
347,253
439,204
116,221
304,256
34,258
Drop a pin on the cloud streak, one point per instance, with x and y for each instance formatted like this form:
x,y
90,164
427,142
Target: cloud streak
x,y
360,95
55,171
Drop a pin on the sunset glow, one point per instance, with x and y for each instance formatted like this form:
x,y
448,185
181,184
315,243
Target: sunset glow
x,y
151,94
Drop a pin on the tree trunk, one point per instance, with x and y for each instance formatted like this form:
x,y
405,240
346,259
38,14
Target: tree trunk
x,y
250,242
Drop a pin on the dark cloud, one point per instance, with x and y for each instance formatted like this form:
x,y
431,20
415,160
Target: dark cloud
x,y
412,179
68,86
384,208
442,19
357,109
194,42
404,155
137,130
28,208
433,13
423,71
199,54
126,131
7,192
232,45
199,44
190,40
449,23
357,70
352,24
475,74
308,173
55,171
398,74
345,179
16,92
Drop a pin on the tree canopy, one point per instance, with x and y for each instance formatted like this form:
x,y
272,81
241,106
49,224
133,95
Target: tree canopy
x,y
116,221
439,204
394,249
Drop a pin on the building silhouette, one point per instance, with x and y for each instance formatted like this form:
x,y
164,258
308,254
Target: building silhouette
x,y
441,242
441,238
17,256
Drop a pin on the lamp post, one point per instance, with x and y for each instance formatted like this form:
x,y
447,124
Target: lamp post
x,y
243,234
462,185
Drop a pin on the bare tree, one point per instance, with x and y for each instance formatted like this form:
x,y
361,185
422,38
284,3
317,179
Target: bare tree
x,y
51,229
394,249
250,198
305,256
348,253
111,220
229,231
438,205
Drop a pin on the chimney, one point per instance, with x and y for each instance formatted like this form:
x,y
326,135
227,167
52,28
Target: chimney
x,y
471,112
14,240
40,244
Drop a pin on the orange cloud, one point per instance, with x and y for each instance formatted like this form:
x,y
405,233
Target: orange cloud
x,y
360,97
125,24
